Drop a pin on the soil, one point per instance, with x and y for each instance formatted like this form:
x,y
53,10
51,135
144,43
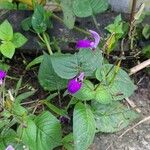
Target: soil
x,y
139,137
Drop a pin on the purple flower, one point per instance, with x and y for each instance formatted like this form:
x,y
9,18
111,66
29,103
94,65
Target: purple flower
x,y
2,76
89,43
9,147
75,84
83,44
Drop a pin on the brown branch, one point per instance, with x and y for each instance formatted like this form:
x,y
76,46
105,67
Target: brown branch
x,y
139,67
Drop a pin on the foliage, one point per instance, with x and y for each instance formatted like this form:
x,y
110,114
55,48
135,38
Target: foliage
x,y
146,31
96,106
84,8
112,118
9,40
92,7
117,30
69,17
84,135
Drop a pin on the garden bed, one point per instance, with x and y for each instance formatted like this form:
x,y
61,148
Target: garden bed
x,y
70,83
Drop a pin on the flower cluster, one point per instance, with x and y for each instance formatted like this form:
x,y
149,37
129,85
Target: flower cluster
x,y
75,84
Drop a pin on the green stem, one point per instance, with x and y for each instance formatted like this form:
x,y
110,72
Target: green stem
x,y
76,28
47,44
95,22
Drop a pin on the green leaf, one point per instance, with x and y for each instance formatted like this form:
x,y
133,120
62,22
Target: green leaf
x,y
49,131
55,109
82,8
24,96
115,81
7,5
4,67
103,95
26,24
7,49
117,26
89,60
18,110
146,31
6,31
86,92
8,138
48,78
40,19
146,51
22,6
69,17
3,122
65,65
113,117
68,66
87,8
28,134
83,126
68,142
99,6
34,62
18,86
42,133
19,39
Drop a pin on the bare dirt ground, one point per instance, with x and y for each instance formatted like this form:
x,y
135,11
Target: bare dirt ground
x,y
139,137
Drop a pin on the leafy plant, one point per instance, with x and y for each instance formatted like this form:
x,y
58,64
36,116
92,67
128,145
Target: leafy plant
x,y
105,95
40,22
117,30
90,87
9,40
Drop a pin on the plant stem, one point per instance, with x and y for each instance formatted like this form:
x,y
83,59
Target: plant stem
x,y
95,22
76,28
47,44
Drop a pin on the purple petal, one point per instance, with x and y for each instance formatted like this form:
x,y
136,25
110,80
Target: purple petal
x,y
9,147
75,84
83,44
96,37
2,74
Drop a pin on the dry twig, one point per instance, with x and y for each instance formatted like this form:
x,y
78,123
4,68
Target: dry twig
x,y
132,104
139,67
